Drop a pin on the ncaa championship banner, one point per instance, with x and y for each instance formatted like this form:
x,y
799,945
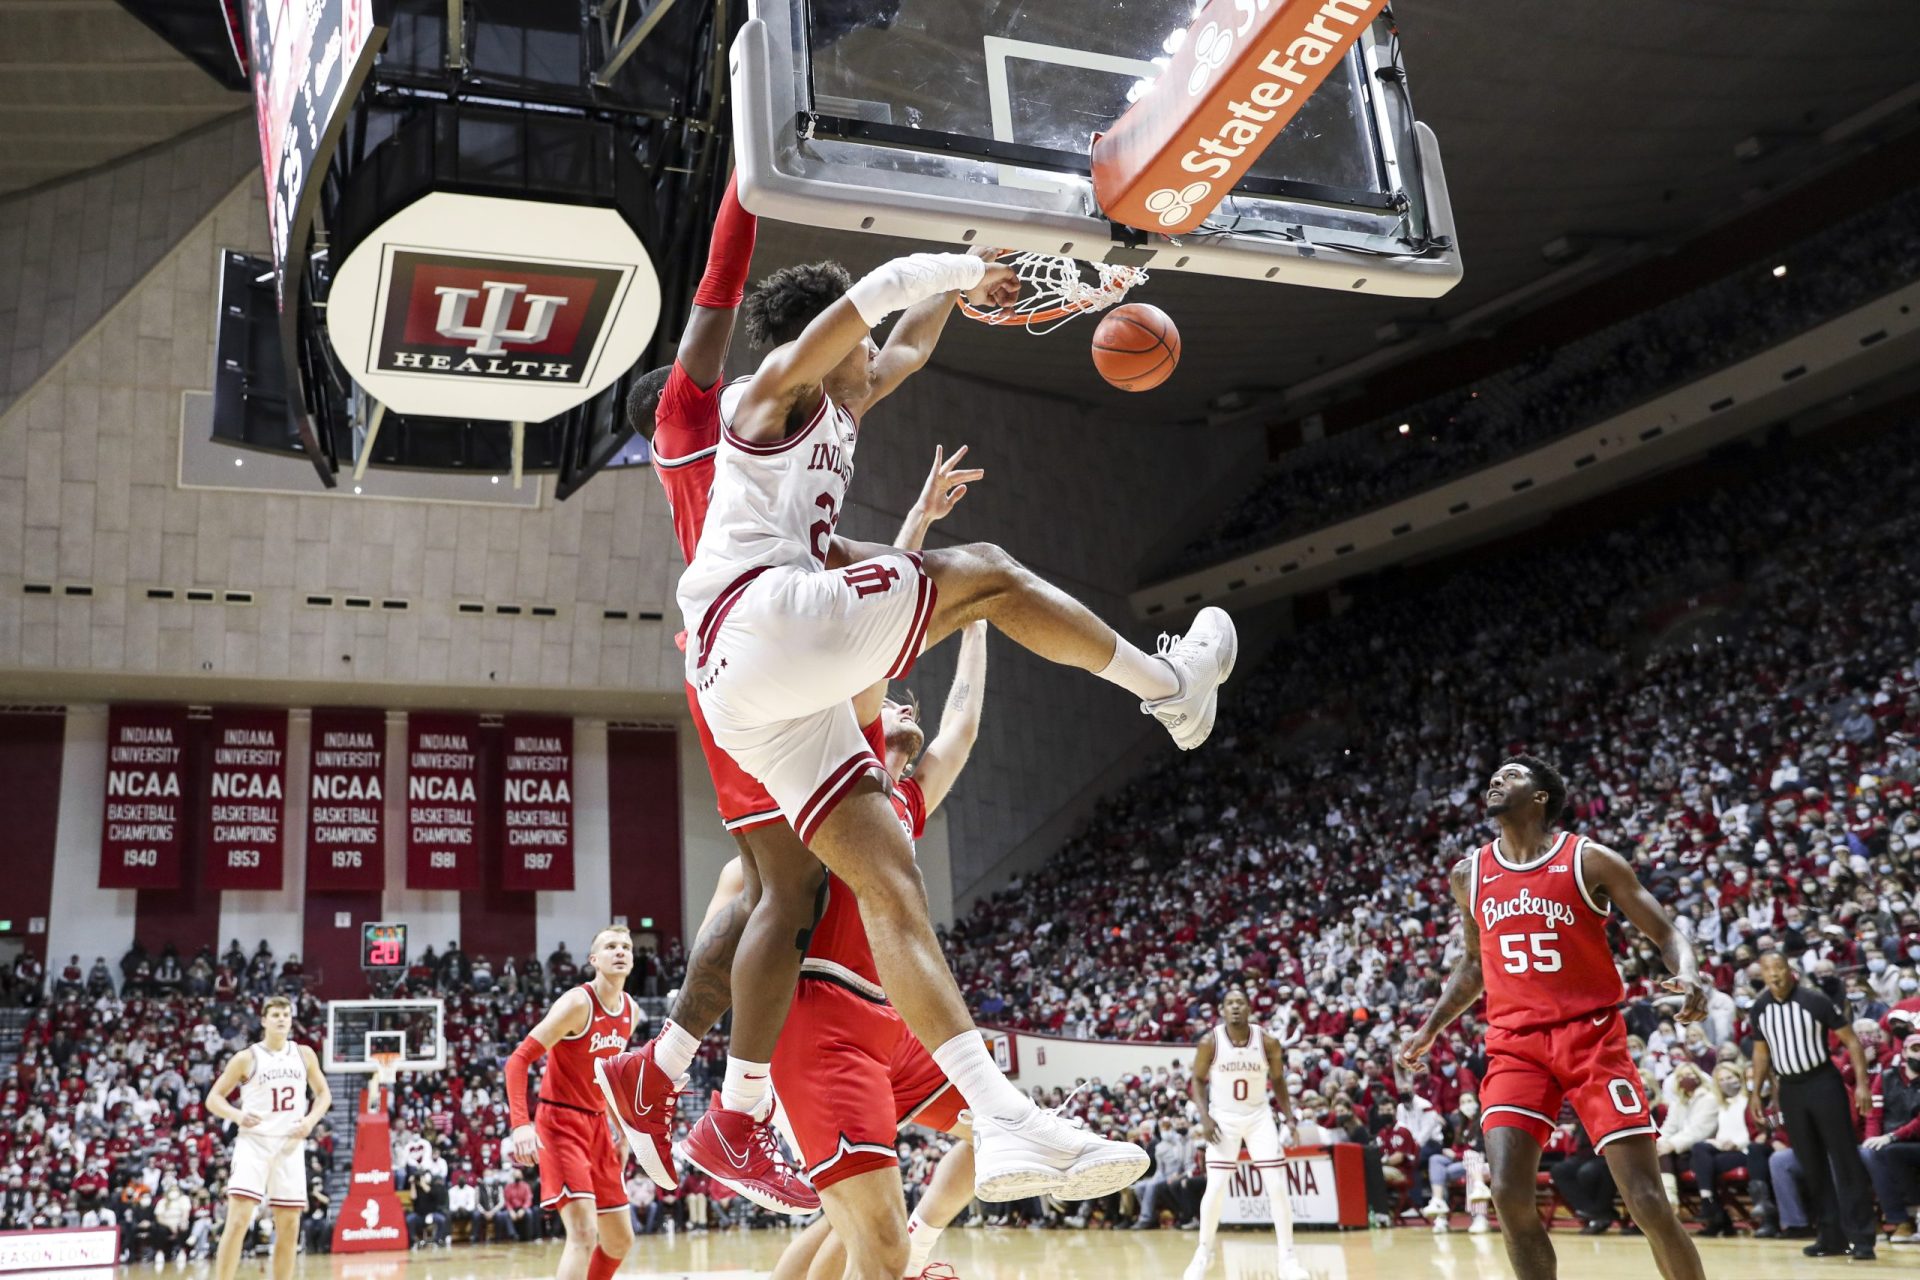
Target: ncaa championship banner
x,y
346,800
482,307
149,759
1326,1186
443,801
243,839
536,787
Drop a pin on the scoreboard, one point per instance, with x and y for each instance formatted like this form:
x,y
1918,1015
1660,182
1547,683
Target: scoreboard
x,y
383,948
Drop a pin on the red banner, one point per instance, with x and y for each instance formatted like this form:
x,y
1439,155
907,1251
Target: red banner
x,y
536,790
371,1219
443,801
244,840
147,766
346,800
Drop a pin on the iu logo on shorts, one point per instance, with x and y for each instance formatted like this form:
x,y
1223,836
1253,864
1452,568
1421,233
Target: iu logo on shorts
x,y
872,578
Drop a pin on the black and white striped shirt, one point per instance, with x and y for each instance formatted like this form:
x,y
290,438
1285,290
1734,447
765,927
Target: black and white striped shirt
x,y
1795,1030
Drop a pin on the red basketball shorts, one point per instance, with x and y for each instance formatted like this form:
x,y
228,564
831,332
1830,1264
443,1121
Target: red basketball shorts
x,y
849,1074
1585,1062
578,1160
744,803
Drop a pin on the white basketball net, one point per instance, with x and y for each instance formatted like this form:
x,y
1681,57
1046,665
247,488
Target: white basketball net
x,y
1053,291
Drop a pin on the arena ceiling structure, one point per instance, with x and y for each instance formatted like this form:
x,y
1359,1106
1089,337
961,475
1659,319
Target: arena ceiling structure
x,y
1575,142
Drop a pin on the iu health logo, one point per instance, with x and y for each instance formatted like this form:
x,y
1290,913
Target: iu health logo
x,y
494,319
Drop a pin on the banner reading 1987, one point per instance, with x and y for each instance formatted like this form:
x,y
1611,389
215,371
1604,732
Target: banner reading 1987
x,y
443,801
536,781
148,759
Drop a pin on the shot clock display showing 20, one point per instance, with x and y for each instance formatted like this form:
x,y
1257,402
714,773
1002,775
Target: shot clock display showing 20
x,y
383,948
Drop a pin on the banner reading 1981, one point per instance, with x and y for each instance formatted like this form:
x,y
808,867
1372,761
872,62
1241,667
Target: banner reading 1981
x,y
246,797
537,803
443,801
148,759
346,800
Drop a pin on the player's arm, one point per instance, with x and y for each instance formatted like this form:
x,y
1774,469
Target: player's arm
x,y
835,333
1277,1077
1762,1086
912,341
317,1085
732,883
1200,1088
230,1077
709,331
941,763
1464,984
1608,872
1862,1086
568,1016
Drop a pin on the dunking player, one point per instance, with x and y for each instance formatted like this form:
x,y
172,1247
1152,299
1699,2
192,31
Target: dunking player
x,y
1534,907
1231,1071
270,1151
849,1072
781,637
580,1167
678,409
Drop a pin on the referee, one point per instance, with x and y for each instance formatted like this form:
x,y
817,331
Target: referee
x,y
1791,1023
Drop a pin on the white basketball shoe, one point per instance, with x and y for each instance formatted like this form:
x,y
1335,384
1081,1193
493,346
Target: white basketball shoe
x,y
1046,1154
1201,1264
1202,659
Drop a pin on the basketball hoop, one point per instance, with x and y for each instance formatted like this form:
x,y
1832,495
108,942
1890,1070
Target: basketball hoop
x,y
386,1069
1053,291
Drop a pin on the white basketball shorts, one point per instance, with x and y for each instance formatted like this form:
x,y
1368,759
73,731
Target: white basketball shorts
x,y
272,1170
779,656
1255,1129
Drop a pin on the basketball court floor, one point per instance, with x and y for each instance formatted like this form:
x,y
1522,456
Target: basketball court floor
x,y
997,1254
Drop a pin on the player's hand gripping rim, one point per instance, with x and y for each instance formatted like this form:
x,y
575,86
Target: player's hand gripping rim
x,y
1000,284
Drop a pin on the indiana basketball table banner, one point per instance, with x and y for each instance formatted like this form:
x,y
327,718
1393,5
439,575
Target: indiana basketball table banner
x,y
1325,1185
149,763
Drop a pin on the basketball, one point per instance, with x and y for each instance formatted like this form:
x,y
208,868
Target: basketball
x,y
1136,347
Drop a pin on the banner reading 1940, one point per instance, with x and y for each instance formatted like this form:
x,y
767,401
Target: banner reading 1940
x,y
246,795
443,801
536,780
147,767
346,800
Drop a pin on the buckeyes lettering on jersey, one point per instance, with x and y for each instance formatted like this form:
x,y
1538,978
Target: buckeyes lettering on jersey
x,y
1543,938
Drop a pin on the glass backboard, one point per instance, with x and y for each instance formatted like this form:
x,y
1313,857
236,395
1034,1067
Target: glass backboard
x,y
359,1029
970,120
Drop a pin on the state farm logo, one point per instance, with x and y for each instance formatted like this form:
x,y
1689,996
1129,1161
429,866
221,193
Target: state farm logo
x,y
1173,207
1210,50
471,318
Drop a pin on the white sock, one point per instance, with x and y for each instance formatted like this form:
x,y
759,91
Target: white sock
x,y
745,1088
1144,675
968,1064
673,1049
920,1241
1213,1203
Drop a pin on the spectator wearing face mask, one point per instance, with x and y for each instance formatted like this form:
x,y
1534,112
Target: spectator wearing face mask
x,y
1892,1148
1732,1145
1693,1116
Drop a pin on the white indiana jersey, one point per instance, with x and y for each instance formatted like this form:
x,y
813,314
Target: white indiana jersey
x,y
773,504
1237,1083
275,1090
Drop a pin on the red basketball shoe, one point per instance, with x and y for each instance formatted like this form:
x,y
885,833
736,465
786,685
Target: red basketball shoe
x,y
641,1098
739,1152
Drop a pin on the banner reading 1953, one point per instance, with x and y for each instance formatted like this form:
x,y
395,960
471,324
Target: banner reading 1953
x,y
536,781
246,796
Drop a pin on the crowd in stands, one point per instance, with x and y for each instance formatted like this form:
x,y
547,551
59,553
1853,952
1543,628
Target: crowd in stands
x,y
1732,687
1561,389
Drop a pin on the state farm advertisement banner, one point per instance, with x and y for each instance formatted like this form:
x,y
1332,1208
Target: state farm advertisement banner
x,y
346,800
536,779
443,801
147,766
246,796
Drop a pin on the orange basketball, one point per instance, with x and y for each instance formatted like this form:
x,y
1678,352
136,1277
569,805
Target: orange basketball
x,y
1136,347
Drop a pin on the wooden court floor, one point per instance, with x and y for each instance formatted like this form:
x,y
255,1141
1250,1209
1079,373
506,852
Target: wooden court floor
x,y
999,1254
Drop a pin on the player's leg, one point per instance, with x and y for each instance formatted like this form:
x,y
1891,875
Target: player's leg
x,y
1263,1148
1636,1169
766,965
614,1228
869,1217
950,1192
1223,1157
1513,1159
579,1219
797,1258
286,1240
233,1236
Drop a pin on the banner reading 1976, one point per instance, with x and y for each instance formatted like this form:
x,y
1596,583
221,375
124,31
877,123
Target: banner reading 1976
x,y
536,781
148,758
443,801
346,800
243,838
